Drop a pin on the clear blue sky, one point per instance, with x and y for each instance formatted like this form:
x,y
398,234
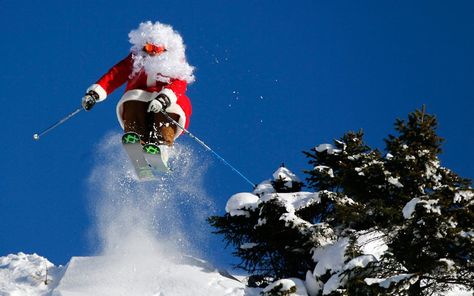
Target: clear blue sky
x,y
273,78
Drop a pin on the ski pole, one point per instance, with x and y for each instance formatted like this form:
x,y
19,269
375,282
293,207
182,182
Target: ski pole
x,y
38,135
208,148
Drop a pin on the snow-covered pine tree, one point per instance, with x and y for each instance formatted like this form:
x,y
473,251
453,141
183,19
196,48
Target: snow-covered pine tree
x,y
423,211
434,242
263,226
377,224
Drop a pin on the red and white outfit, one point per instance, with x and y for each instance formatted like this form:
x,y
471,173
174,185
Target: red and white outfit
x,y
142,87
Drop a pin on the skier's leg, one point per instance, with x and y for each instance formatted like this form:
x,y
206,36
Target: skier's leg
x,y
135,118
166,129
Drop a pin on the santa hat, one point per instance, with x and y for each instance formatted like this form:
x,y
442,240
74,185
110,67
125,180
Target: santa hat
x,y
171,64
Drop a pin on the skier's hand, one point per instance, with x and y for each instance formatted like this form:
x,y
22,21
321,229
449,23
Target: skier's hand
x,y
159,103
88,101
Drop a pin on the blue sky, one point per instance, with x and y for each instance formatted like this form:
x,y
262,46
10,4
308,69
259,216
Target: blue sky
x,y
273,79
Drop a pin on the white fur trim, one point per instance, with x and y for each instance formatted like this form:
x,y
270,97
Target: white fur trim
x,y
99,90
150,81
144,96
170,94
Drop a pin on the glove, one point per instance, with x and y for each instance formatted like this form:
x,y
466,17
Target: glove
x,y
159,103
88,101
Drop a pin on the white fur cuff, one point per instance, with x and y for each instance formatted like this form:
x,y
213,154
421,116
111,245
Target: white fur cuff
x,y
170,94
99,90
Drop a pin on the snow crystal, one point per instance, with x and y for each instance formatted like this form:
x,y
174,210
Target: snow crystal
x,y
330,149
239,203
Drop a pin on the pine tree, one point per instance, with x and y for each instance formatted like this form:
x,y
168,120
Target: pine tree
x,y
271,244
435,240
419,213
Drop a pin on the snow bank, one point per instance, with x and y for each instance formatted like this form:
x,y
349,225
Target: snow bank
x,y
148,274
239,204
27,275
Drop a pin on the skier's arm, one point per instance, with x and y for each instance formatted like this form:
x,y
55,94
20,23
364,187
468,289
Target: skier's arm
x,y
114,78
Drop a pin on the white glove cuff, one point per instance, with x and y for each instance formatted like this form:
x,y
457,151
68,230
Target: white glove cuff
x,y
99,90
170,94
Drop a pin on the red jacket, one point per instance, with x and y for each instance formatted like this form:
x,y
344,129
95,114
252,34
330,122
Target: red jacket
x,y
120,73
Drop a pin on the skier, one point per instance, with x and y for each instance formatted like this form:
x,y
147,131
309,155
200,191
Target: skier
x,y
157,74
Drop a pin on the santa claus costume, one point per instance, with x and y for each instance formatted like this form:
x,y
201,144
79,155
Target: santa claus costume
x,y
157,74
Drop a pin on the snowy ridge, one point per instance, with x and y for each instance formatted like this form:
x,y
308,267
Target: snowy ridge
x,y
29,275
133,275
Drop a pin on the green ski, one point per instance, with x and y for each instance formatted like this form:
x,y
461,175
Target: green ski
x,y
157,157
133,147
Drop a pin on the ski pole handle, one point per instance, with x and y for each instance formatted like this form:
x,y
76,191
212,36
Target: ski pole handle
x,y
67,117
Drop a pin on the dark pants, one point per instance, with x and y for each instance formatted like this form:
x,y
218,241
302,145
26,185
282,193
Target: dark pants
x,y
152,127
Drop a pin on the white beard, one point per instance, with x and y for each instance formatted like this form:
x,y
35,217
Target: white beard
x,y
163,67
168,65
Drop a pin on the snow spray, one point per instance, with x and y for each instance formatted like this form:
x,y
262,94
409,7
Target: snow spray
x,y
146,220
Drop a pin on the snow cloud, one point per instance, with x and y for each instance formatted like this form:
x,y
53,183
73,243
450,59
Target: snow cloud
x,y
147,219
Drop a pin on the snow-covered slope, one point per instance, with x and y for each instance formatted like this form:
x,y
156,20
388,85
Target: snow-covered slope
x,y
134,274
148,275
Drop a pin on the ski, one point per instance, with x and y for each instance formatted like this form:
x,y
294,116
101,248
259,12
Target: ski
x,y
131,144
157,157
